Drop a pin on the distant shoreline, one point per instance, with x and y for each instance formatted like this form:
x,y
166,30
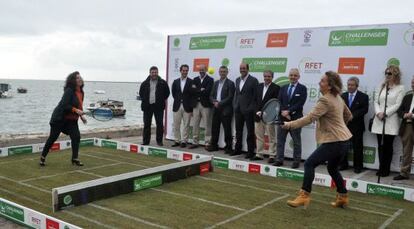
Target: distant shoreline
x,y
89,81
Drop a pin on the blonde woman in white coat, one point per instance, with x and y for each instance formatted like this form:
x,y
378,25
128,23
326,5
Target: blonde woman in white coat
x,y
392,122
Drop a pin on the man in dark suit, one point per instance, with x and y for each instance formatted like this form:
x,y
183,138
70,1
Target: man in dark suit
x,y
265,91
183,91
244,104
406,112
153,92
202,108
222,97
292,98
358,103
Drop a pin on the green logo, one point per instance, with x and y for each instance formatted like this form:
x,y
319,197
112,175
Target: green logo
x,y
11,211
142,149
157,152
267,169
369,154
210,42
225,62
396,193
67,200
289,174
147,182
361,37
20,150
282,81
66,227
109,144
86,142
176,42
393,61
354,184
221,163
266,63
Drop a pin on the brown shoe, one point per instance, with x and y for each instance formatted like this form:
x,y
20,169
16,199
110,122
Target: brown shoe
x,y
342,200
302,199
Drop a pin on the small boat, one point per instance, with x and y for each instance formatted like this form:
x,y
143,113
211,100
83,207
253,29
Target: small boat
x,y
5,90
99,92
117,107
21,90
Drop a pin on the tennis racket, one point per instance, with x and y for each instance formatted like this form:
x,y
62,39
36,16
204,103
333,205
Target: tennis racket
x,y
271,112
102,114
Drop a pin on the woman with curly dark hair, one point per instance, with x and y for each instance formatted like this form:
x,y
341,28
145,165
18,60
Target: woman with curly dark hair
x,y
65,117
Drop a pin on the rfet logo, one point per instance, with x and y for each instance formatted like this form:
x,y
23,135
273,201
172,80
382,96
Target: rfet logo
x,y
309,66
244,42
277,40
51,224
198,62
351,65
187,156
254,168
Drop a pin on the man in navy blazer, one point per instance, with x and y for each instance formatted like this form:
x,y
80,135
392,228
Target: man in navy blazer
x,y
292,97
244,104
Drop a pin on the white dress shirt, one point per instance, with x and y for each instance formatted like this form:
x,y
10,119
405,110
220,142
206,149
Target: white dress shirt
x,y
242,82
183,81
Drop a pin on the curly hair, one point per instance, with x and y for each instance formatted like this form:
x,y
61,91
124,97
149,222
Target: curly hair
x,y
396,73
335,82
71,81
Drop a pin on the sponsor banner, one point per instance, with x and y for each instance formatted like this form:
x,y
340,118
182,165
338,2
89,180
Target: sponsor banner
x,y
268,170
385,190
209,42
157,152
187,156
356,185
11,211
175,155
245,42
277,40
133,148
204,168
51,224
307,65
351,65
65,144
123,146
369,154
98,142
143,149
87,142
109,144
239,165
221,163
359,37
20,150
254,168
147,182
55,146
409,194
68,201
198,62
289,174
3,152
35,220
322,180
260,64
333,184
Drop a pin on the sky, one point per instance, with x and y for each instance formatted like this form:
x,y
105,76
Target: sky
x,y
118,40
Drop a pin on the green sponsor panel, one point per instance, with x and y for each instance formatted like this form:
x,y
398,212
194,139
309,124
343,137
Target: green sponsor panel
x,y
147,182
86,142
20,150
11,211
157,152
369,154
396,193
109,144
282,81
289,174
210,42
266,63
202,133
221,163
360,37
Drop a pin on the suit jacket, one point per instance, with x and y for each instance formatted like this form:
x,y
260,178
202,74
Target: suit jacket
x,y
162,91
187,97
405,108
295,104
244,101
271,93
359,108
204,95
227,93
65,105
331,115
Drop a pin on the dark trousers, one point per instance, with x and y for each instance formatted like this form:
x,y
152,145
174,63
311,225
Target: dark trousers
x,y
247,118
357,146
297,143
159,116
332,152
385,152
225,120
70,128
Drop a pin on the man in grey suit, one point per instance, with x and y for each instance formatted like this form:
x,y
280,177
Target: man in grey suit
x,y
222,97
244,105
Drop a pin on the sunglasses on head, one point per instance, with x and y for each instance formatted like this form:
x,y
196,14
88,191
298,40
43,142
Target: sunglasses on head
x,y
388,73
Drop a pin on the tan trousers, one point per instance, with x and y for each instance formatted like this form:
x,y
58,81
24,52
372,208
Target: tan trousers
x,y
204,114
260,129
181,134
407,157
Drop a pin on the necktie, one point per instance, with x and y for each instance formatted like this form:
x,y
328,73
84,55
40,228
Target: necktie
x,y
290,91
351,97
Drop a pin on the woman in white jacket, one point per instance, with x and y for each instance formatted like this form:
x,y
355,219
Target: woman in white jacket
x,y
392,122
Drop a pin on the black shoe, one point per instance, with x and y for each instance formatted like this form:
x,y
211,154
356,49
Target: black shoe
x,y
256,158
145,143
357,171
249,155
295,165
183,145
228,151
235,153
193,146
160,144
212,148
400,177
76,162
175,144
278,163
271,160
42,161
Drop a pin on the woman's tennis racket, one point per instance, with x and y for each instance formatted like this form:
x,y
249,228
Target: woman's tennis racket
x,y
271,112
102,114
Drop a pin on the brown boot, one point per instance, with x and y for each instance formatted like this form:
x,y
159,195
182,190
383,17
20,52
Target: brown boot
x,y
302,199
342,200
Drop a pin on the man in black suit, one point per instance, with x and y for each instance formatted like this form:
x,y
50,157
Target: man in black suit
x,y
202,108
358,103
244,104
153,92
183,91
265,91
222,97
292,97
406,112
